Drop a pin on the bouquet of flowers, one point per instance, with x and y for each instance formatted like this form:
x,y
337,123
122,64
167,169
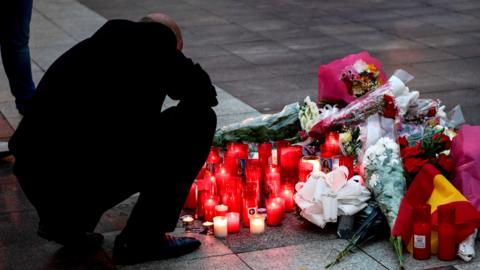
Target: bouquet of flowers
x,y
430,149
344,80
361,78
378,101
264,128
384,174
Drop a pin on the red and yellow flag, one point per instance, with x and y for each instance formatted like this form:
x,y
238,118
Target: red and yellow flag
x,y
431,187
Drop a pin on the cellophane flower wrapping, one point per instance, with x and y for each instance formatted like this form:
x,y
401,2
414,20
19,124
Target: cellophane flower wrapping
x,y
465,154
354,113
344,80
264,128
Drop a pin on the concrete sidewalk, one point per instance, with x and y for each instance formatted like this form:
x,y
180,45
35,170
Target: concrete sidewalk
x,y
59,24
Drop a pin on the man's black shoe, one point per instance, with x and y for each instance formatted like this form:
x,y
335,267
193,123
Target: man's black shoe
x,y
125,253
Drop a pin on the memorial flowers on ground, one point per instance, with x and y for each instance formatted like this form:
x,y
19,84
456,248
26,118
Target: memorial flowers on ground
x,y
353,153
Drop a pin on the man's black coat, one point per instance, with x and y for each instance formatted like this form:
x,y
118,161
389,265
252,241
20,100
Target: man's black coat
x,y
95,117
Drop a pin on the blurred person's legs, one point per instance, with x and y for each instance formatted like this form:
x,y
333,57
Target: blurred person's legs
x,y
15,16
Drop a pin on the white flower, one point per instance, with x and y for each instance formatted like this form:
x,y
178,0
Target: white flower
x,y
360,66
373,180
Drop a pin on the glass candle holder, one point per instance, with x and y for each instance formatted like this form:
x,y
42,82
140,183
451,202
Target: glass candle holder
x,y
221,210
220,226
275,211
257,224
187,221
207,227
233,222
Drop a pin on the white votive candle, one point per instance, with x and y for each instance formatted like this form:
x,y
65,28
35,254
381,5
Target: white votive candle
x,y
220,226
257,224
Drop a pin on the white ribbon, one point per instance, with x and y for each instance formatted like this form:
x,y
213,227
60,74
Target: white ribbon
x,y
323,197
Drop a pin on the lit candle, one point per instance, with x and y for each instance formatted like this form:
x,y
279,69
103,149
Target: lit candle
x,y
257,224
230,162
287,195
211,183
221,210
265,153
220,228
221,177
275,209
347,161
233,222
290,158
331,147
280,145
208,227
272,181
213,159
209,208
250,202
306,166
187,223
191,202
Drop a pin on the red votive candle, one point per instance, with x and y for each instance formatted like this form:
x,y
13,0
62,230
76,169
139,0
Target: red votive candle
x,y
233,222
213,159
306,166
447,247
209,208
331,147
272,181
275,209
191,202
280,144
421,232
347,161
265,153
221,210
230,162
231,197
250,203
221,177
290,158
287,195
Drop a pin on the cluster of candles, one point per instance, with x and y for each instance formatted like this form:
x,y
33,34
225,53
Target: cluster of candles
x,y
231,190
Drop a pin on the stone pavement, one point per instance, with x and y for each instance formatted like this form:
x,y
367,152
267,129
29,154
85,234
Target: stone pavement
x,y
266,53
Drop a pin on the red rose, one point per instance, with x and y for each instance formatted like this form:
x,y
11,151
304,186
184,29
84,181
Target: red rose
x,y
432,112
411,151
413,165
403,142
446,141
303,135
446,163
389,109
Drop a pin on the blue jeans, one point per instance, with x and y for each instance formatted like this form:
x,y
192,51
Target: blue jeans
x,y
15,16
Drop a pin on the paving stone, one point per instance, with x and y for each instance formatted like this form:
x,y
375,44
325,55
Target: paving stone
x,y
464,50
455,70
410,56
222,61
447,40
254,47
12,198
239,73
454,21
19,228
45,56
293,231
314,255
225,262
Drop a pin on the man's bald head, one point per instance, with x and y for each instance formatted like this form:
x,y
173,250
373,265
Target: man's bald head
x,y
168,21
